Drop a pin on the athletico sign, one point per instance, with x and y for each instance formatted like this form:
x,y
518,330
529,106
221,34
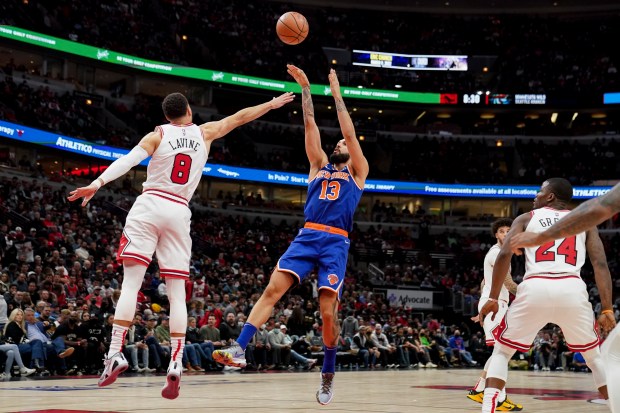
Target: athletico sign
x,y
416,299
109,153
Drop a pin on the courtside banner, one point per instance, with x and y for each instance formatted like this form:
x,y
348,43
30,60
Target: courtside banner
x,y
109,153
415,299
109,56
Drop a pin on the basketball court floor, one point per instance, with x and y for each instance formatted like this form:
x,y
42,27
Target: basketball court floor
x,y
390,391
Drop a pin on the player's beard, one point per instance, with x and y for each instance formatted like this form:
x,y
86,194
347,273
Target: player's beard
x,y
339,158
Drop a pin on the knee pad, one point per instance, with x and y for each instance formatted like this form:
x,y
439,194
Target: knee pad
x,y
498,364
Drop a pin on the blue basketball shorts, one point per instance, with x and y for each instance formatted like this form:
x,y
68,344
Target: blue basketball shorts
x,y
322,250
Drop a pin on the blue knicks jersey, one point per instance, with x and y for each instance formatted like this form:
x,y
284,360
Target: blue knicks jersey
x,y
332,198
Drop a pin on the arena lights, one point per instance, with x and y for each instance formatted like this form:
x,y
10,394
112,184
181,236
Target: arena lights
x,y
109,153
109,56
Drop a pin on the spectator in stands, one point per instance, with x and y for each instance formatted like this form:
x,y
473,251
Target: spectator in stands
x,y
458,348
204,349
305,362
350,325
359,347
37,330
134,346
94,348
259,349
71,335
11,351
15,333
230,330
386,350
281,350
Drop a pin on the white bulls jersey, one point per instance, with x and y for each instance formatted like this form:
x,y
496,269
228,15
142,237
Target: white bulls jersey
x,y
176,167
489,263
561,256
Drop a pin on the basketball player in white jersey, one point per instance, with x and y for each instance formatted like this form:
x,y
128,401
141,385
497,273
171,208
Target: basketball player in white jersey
x,y
551,292
499,229
159,220
585,216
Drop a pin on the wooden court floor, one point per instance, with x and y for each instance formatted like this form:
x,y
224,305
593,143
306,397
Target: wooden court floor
x,y
390,391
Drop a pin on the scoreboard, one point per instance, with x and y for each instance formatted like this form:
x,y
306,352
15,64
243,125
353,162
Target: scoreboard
x,y
409,61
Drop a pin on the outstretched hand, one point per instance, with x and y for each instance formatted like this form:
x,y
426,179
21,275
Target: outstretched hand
x,y
334,84
299,75
523,240
282,100
86,192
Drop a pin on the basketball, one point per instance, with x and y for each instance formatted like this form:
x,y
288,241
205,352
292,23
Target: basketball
x,y
292,28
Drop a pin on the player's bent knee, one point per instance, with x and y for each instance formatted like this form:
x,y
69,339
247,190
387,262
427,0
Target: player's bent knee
x,y
498,366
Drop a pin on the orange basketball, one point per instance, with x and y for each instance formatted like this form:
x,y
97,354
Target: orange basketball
x,y
292,28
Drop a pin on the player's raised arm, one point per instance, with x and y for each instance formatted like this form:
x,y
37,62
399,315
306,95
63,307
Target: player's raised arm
x,y
585,216
218,129
314,150
119,167
596,252
359,164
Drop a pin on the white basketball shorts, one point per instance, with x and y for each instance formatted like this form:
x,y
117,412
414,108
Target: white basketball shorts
x,y
543,299
158,225
490,325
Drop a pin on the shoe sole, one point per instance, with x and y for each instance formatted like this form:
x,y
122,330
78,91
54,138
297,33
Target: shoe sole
x,y
324,403
171,389
113,376
227,360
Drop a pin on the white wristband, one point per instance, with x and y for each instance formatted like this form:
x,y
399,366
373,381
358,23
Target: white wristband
x,y
97,183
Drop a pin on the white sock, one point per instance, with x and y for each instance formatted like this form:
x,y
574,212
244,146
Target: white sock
x,y
491,397
480,385
177,347
118,339
502,395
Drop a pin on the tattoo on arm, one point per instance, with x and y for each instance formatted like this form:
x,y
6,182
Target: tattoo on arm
x,y
340,107
306,104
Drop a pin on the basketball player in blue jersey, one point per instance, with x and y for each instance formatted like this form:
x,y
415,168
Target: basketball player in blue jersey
x,y
335,185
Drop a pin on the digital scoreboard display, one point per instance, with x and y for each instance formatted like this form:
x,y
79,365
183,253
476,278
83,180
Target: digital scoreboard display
x,y
409,61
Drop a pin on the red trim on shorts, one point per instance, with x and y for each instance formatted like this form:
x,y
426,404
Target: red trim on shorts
x,y
134,256
140,262
490,343
170,275
179,272
498,333
163,194
551,277
585,347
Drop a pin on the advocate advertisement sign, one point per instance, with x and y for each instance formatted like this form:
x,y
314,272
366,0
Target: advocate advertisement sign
x,y
415,299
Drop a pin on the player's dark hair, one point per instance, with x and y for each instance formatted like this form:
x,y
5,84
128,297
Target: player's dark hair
x,y
502,222
174,106
562,189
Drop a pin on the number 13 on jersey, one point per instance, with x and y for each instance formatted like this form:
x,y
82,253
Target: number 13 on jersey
x,y
330,190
